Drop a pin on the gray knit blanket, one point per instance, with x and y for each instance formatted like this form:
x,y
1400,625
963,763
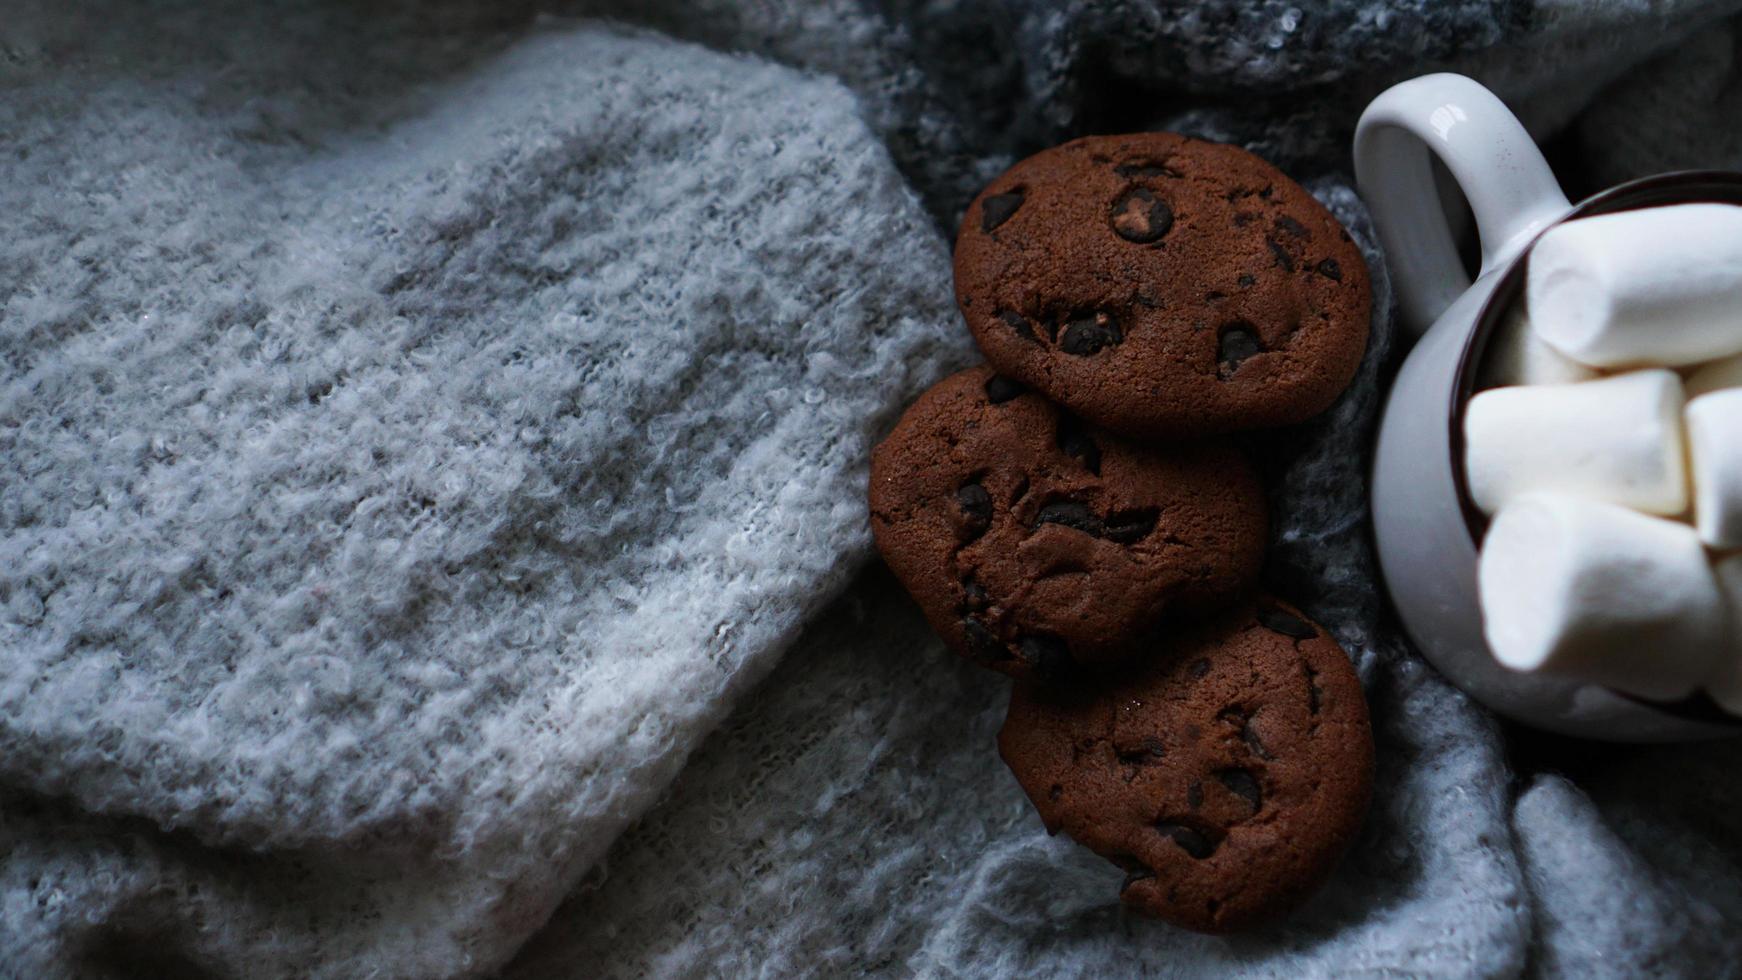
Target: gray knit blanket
x,y
432,473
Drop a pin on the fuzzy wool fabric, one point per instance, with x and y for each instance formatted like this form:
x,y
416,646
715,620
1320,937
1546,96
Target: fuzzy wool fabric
x,y
398,487
432,527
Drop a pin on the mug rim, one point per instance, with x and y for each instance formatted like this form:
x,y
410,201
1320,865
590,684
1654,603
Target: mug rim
x,y
1659,190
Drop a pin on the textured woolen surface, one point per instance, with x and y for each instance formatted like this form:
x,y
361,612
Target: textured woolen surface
x,y
420,426
391,502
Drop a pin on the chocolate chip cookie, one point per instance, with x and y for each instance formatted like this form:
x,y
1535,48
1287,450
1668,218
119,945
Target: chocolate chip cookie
x,y
1225,776
1163,287
1035,543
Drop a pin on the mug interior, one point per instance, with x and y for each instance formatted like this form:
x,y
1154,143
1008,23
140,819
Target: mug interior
x,y
1683,187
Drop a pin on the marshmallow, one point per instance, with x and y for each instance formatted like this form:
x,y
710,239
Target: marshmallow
x,y
1517,356
1659,286
1715,376
1726,683
1618,439
1715,450
1602,594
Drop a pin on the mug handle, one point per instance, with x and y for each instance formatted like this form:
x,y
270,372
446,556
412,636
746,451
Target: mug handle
x,y
1497,165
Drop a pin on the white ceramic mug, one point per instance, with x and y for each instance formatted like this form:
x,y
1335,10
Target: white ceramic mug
x,y
1426,529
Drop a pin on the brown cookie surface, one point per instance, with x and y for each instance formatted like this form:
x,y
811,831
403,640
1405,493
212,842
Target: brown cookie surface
x,y
1035,543
1163,287
1225,777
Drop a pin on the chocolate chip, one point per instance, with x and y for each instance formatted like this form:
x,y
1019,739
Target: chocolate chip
x,y
1282,257
976,505
1074,440
1189,839
1237,343
1242,783
1195,794
1000,389
1247,281
1149,750
1072,514
1088,335
1199,668
1292,227
1129,526
1331,270
1315,694
1130,170
1020,324
1237,715
1048,655
1288,624
1249,735
981,643
1140,216
998,208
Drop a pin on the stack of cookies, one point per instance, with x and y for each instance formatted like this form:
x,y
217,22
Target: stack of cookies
x,y
1070,514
